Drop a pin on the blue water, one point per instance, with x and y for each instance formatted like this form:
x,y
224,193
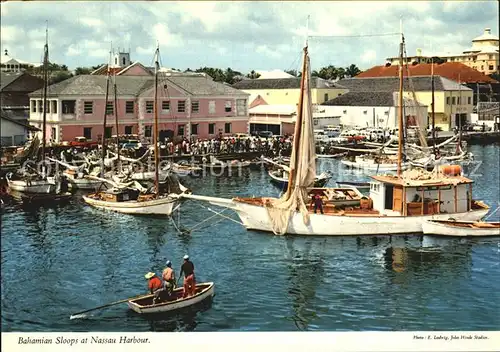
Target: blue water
x,y
58,261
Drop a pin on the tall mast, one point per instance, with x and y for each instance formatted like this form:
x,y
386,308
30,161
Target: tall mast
x,y
400,96
45,86
432,107
116,121
155,135
459,145
105,115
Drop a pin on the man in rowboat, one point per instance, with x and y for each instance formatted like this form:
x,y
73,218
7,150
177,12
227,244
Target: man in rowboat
x,y
154,285
189,281
169,278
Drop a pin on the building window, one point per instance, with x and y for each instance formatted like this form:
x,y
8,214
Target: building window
x,y
68,106
326,97
108,132
482,67
491,67
116,61
195,106
54,106
181,106
129,129
149,107
469,100
123,61
227,107
241,107
365,112
53,134
165,106
180,130
227,127
211,107
194,128
33,105
129,107
211,128
147,131
458,101
109,109
453,100
87,132
88,107
386,113
447,100
344,112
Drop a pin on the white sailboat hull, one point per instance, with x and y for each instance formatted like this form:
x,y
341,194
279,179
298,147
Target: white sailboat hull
x,y
374,166
433,228
161,206
39,186
255,217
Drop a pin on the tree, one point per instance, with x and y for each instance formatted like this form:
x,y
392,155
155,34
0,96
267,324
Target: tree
x,y
83,71
231,76
352,70
253,75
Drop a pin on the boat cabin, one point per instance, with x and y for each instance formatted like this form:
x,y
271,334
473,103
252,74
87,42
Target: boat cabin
x,y
396,196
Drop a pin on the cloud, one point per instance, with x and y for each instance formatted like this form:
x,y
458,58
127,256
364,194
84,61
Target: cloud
x,y
241,35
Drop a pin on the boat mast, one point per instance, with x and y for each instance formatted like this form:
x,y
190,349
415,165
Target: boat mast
x,y
105,114
116,121
155,135
298,122
45,88
459,145
400,96
432,107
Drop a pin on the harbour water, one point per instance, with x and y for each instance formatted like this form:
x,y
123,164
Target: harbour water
x,y
58,261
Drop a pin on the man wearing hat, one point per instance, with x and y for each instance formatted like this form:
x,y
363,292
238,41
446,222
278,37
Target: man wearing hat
x,y
169,277
154,285
189,281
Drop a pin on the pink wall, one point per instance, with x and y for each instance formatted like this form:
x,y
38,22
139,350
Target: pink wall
x,y
99,107
68,133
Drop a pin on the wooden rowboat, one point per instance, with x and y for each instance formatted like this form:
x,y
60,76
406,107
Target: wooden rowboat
x,y
460,228
144,305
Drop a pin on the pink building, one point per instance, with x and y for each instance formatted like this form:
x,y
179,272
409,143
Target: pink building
x,y
188,105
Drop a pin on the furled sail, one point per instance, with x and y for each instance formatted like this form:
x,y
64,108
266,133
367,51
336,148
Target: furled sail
x,y
302,161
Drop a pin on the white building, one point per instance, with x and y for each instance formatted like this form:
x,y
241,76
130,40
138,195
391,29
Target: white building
x,y
10,64
375,109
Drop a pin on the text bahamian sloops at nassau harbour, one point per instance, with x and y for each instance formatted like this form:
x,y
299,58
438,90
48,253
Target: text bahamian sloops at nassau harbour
x,y
60,340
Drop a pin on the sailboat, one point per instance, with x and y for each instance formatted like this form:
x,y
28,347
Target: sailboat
x,y
133,198
33,181
398,204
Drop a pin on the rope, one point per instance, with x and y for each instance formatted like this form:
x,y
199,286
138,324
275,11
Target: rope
x,y
195,227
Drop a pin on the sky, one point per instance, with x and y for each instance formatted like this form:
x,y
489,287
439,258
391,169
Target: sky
x,y
244,36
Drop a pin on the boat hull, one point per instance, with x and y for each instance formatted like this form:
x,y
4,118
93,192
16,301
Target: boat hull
x,y
256,217
32,186
283,182
162,206
444,229
362,186
204,291
374,167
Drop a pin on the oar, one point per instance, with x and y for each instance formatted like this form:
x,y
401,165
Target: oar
x,y
73,316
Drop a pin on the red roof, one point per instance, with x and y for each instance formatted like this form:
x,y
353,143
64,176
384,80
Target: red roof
x,y
257,101
450,70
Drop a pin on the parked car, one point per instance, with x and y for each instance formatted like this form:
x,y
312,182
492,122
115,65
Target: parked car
x,y
265,134
82,142
480,128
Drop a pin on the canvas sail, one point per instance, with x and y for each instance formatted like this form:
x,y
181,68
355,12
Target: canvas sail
x,y
302,162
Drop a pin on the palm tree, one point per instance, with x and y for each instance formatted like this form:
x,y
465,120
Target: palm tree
x,y
253,75
352,70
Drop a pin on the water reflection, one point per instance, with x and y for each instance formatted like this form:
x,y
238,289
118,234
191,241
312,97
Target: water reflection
x,y
306,271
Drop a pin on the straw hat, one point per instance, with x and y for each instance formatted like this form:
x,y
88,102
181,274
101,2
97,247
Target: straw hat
x,y
149,275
